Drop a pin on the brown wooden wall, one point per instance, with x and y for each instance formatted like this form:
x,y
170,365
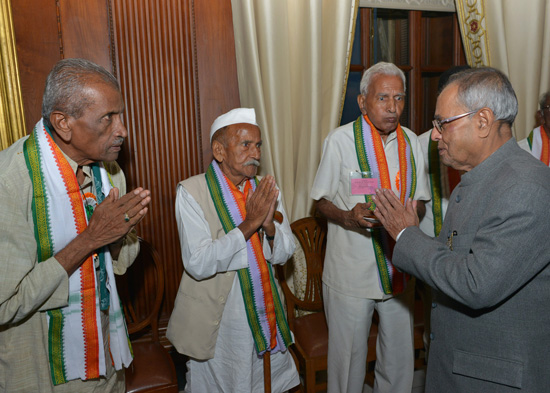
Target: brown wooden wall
x,y
175,60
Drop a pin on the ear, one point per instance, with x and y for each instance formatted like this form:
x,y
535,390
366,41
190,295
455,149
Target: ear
x,y
61,124
485,120
218,151
361,101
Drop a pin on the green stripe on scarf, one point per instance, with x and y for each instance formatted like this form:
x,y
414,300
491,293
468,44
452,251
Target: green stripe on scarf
x,y
413,168
530,140
55,344
42,231
434,173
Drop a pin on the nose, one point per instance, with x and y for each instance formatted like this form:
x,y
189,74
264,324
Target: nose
x,y
120,128
256,152
391,106
436,135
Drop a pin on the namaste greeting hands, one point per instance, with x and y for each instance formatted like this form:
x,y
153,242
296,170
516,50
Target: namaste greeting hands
x,y
260,208
392,214
111,221
116,216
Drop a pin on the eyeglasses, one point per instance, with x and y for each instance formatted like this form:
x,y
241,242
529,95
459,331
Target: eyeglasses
x,y
438,124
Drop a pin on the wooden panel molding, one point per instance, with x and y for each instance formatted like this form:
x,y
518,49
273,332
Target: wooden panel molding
x,y
154,62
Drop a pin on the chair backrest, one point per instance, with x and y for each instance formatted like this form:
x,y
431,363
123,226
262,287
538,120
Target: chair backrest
x,y
141,291
311,234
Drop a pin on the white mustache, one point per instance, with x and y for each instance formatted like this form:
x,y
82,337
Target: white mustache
x,y
252,162
118,142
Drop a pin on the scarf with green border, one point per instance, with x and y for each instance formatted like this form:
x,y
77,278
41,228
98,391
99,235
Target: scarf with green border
x,y
75,337
262,303
372,158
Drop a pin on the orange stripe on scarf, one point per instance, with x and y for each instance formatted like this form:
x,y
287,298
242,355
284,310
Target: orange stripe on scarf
x,y
545,152
240,198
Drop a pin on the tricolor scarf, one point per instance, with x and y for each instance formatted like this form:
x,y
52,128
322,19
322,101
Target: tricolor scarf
x,y
372,157
75,337
263,307
539,144
443,180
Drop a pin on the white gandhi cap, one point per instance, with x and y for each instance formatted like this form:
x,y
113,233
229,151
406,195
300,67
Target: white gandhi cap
x,y
234,116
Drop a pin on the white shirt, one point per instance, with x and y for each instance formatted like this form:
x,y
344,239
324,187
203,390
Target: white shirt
x,y
235,366
350,263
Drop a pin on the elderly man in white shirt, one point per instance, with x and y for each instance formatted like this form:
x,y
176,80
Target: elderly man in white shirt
x,y
228,312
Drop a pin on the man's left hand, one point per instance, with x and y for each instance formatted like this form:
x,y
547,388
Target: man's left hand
x,y
392,214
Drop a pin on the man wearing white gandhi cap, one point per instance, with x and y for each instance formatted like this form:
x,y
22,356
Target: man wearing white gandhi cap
x,y
228,311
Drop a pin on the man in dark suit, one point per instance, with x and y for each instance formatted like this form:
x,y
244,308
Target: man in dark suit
x,y
489,266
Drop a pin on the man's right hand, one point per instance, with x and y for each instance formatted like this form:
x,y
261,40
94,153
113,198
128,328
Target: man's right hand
x,y
356,216
107,225
349,219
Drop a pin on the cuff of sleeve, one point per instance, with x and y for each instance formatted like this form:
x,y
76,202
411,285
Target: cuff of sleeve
x,y
399,235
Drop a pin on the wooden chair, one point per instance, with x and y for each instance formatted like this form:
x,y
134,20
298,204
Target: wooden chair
x,y
141,290
310,331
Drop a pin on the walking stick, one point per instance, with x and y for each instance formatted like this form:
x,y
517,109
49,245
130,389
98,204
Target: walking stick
x,y
267,371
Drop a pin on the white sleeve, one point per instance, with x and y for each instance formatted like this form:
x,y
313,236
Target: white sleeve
x,y
327,178
283,244
203,257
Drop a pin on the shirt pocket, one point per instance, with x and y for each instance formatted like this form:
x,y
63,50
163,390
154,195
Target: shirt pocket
x,y
345,188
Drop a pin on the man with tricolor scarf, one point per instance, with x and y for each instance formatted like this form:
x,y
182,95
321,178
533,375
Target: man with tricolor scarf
x,y
65,228
358,277
538,140
228,313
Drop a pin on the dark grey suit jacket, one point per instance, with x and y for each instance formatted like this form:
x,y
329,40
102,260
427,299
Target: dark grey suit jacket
x,y
491,311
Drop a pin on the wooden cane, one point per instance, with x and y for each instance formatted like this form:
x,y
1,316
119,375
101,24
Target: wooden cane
x,y
277,216
267,371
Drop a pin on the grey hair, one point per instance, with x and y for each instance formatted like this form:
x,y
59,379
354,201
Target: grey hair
x,y
382,68
543,99
65,87
486,88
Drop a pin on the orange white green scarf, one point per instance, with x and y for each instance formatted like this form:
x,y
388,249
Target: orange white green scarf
x,y
443,180
263,307
75,336
372,158
539,144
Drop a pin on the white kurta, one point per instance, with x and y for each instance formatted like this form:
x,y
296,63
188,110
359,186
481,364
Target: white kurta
x,y
357,273
236,366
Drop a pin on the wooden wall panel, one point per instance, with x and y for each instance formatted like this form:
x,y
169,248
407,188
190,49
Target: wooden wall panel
x,y
154,60
38,49
85,30
217,66
47,31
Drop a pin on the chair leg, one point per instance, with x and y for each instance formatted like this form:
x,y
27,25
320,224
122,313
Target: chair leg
x,y
309,380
